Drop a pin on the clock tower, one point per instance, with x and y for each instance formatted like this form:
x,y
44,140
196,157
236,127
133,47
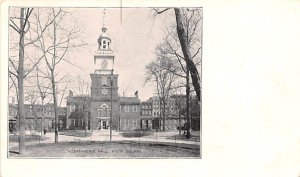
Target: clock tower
x,y
104,86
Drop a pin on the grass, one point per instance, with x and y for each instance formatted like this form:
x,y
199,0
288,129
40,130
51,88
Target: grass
x,y
116,149
28,138
136,133
76,133
195,136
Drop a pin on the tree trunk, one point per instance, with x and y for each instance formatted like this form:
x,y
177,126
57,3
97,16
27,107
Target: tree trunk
x,y
43,118
188,123
164,113
21,88
160,113
186,52
86,123
55,106
179,124
53,79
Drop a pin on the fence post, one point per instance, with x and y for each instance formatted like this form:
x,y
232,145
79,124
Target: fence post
x,y
175,138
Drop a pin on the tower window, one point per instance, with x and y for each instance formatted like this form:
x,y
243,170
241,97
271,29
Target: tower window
x,y
104,64
104,80
104,44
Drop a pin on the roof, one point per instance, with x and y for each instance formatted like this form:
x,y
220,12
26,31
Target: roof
x,y
146,102
32,115
129,100
76,115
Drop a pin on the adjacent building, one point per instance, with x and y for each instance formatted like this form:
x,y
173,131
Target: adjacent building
x,y
37,117
129,113
78,112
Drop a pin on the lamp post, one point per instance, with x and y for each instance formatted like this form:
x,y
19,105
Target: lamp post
x,y
111,104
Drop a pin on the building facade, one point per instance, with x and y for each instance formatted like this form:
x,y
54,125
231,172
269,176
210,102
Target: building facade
x,y
147,115
104,86
78,112
129,113
37,117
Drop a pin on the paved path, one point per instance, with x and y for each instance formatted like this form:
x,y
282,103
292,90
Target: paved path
x,y
103,135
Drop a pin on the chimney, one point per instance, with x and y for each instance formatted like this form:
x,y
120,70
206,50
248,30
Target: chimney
x,y
136,94
70,93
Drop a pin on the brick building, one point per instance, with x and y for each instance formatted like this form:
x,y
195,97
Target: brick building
x,y
104,86
37,116
129,113
104,106
77,110
147,115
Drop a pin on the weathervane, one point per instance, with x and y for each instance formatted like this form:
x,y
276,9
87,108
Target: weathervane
x,y
104,16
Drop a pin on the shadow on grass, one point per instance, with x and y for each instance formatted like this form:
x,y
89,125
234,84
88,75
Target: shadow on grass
x,y
76,133
14,152
136,133
106,149
28,138
183,138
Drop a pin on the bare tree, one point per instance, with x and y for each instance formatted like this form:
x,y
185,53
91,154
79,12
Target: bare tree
x,y
180,43
23,65
61,38
83,88
158,73
24,16
185,35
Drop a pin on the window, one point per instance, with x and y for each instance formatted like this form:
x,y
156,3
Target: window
x,y
104,113
104,44
104,64
134,108
104,80
73,122
126,108
72,108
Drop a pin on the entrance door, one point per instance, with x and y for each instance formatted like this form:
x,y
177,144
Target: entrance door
x,y
104,125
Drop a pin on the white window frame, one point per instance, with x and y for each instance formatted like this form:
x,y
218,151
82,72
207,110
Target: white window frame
x,y
73,122
72,108
126,108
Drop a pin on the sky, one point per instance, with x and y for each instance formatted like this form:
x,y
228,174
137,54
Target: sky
x,y
135,33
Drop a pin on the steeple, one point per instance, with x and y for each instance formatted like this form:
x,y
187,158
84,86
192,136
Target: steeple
x,y
104,41
104,56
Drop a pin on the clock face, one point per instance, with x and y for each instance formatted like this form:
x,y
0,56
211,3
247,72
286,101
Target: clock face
x,y
104,91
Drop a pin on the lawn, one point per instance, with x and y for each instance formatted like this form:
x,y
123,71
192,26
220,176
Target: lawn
x,y
110,150
136,133
76,133
29,138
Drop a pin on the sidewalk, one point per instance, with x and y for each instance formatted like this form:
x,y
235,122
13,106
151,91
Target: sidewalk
x,y
104,135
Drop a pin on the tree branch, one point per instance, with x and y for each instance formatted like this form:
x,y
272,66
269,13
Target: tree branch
x,y
160,12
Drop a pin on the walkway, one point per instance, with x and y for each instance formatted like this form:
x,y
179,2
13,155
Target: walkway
x,y
103,135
